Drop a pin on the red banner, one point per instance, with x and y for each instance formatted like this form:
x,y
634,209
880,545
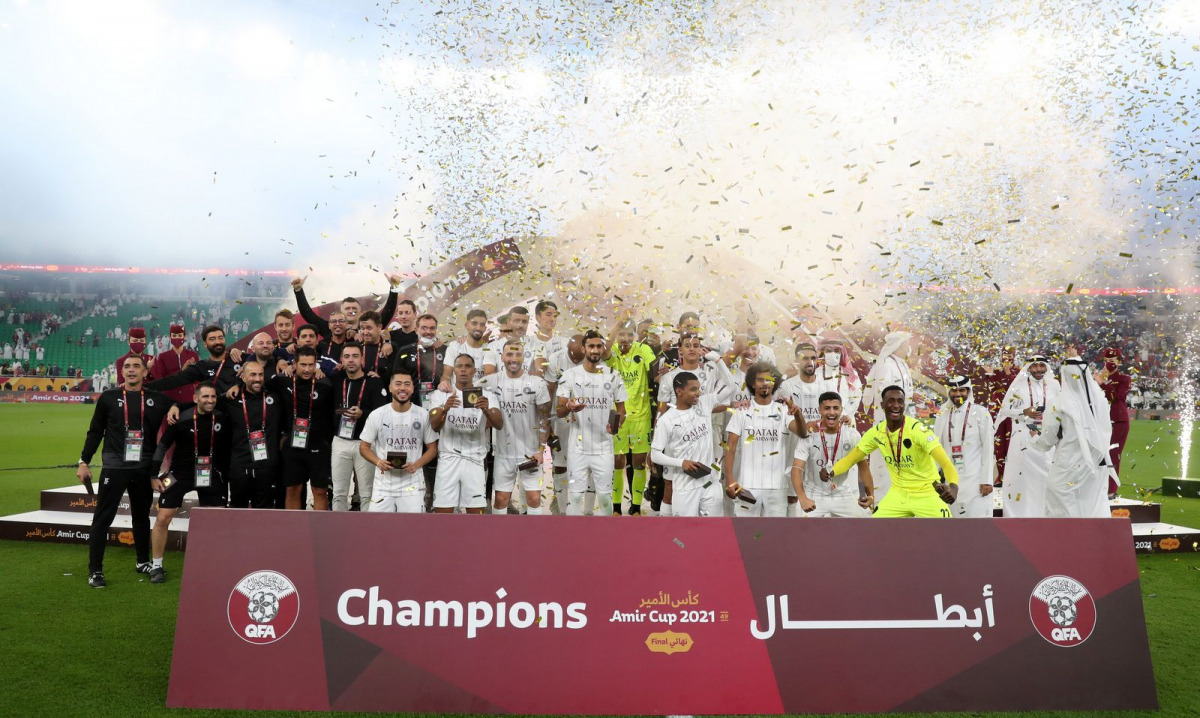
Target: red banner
x,y
303,610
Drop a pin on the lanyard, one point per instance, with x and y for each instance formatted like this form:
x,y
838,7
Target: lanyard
x,y
836,443
899,446
246,414
375,362
125,405
346,392
950,425
1029,381
212,435
312,388
220,366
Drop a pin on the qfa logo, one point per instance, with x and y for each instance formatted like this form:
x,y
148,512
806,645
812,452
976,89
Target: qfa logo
x,y
263,607
1062,611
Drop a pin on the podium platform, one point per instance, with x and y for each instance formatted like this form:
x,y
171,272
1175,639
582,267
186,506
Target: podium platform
x,y
65,514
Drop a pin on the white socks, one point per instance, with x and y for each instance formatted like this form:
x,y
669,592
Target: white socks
x,y
499,511
156,562
665,509
533,511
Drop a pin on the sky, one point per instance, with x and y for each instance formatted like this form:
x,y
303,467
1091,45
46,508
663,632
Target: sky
x,y
148,132
980,142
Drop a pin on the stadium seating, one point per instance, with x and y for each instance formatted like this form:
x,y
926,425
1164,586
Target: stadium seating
x,y
96,354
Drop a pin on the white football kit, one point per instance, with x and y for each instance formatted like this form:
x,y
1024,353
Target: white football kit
x,y
837,497
589,446
686,434
389,431
763,463
461,481
520,438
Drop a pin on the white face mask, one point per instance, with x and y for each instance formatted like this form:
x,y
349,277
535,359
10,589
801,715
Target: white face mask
x,y
427,341
833,359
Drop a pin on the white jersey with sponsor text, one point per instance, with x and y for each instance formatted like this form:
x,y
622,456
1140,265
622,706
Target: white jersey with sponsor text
x,y
465,431
600,391
388,430
762,438
822,449
687,434
519,398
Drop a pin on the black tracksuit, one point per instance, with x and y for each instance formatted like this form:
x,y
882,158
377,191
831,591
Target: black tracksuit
x,y
117,412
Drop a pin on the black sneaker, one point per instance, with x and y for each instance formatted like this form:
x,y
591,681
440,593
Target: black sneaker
x,y
157,575
143,567
96,580
635,509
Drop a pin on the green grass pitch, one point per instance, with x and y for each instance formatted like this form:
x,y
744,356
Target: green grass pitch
x,y
67,650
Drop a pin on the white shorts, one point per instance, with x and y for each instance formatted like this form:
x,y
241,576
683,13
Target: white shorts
x,y
505,475
973,506
460,482
585,471
845,507
410,502
771,502
699,501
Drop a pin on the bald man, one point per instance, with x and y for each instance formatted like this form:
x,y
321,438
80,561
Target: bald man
x,y
263,348
256,417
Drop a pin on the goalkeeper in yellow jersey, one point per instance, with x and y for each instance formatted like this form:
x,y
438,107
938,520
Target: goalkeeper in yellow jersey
x,y
910,450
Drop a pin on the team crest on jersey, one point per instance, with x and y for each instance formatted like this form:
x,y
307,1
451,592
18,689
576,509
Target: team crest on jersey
x,y
607,385
270,400
908,443
416,426
149,402
216,427
263,607
845,446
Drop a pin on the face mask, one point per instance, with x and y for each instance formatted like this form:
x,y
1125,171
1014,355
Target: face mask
x,y
427,341
833,359
176,342
137,347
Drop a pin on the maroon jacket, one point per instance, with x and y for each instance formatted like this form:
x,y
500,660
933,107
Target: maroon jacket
x,y
168,363
1116,388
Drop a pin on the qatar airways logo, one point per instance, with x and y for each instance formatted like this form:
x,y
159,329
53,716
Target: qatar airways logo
x,y
593,402
517,406
402,442
700,431
763,434
464,421
356,607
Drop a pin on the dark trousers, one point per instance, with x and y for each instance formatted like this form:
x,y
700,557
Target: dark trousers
x,y
430,471
252,488
113,485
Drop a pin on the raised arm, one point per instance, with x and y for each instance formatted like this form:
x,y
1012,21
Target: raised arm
x,y
306,310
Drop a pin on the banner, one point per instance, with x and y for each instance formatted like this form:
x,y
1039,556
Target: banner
x,y
46,397
437,290
309,610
